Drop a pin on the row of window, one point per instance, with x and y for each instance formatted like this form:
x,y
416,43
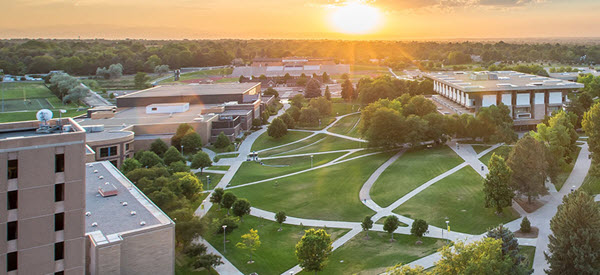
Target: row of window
x,y
12,228
112,150
13,166
12,201
12,258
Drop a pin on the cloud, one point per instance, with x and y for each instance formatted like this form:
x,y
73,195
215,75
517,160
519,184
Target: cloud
x,y
398,5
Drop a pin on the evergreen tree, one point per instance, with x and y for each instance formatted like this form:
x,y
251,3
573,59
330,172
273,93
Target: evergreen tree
x,y
347,90
574,246
172,155
496,185
528,163
277,128
312,89
525,225
327,93
510,248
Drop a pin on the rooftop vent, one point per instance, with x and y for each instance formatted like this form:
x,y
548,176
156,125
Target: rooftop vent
x,y
95,171
108,190
133,213
90,165
142,223
87,214
94,224
124,203
100,177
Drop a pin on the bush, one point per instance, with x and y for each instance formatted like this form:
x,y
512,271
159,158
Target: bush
x,y
525,225
216,159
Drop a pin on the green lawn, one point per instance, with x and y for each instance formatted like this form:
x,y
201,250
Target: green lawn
x,y
230,155
345,125
251,171
214,179
219,150
297,145
329,143
480,148
375,255
361,152
200,74
410,171
219,167
529,253
458,198
566,171
24,90
591,184
502,151
276,253
329,193
325,121
264,141
341,107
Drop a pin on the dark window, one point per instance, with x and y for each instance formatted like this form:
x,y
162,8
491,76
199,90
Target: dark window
x,y
154,108
59,221
59,192
13,169
59,273
13,200
11,231
11,261
108,151
127,146
59,163
59,251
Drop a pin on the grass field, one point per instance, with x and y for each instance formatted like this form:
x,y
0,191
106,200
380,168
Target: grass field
x,y
329,143
264,141
502,151
276,253
294,146
480,148
214,179
325,121
410,171
591,184
200,74
329,193
24,90
251,171
529,253
458,198
375,255
341,107
345,125
219,167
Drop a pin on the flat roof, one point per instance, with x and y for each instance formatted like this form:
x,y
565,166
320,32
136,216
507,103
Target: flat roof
x,y
108,214
138,115
194,90
507,81
106,135
25,129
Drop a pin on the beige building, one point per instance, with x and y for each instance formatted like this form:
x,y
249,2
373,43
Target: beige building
x,y
42,201
529,97
126,233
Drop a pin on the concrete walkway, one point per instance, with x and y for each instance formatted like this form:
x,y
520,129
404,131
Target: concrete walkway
x,y
227,267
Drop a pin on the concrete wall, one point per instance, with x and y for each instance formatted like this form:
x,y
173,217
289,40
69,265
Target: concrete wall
x,y
132,101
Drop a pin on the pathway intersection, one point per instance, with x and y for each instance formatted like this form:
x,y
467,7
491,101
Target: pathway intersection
x,y
539,218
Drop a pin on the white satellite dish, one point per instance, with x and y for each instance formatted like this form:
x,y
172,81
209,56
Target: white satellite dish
x,y
44,115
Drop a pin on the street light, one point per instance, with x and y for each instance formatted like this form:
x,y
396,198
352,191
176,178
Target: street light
x,y
224,233
311,161
182,150
208,182
448,228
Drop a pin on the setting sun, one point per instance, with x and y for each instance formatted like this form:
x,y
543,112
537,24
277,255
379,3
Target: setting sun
x,y
355,18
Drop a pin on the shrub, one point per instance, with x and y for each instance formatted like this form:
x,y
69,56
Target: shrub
x,y
525,225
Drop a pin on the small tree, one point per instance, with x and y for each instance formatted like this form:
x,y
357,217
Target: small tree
x,y
496,185
313,250
367,224
419,227
277,128
250,241
525,225
327,93
172,155
228,200
240,208
391,224
129,165
201,160
288,120
280,217
217,196
161,69
510,248
140,80
191,141
159,147
222,141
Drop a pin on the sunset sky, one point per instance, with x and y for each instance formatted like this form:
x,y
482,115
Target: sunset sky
x,y
396,19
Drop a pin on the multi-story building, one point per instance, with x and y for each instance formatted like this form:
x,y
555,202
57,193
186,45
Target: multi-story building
x,y
529,97
42,202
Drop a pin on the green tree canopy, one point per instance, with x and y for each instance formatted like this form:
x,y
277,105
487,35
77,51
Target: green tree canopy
x,y
129,165
240,208
172,155
313,250
312,89
418,228
277,128
222,141
390,225
201,160
497,185
159,147
191,141
528,163
149,159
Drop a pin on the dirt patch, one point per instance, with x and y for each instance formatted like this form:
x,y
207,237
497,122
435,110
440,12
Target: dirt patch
x,y
533,234
529,208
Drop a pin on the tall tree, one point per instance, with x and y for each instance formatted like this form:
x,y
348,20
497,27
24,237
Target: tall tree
x,y
129,165
591,126
323,105
280,217
228,200
288,120
200,257
574,246
418,228
390,225
313,89
140,80
497,186
277,128
201,160
172,155
327,93
313,250
217,196
149,159
528,163
191,142
182,129
222,141
367,224
347,90
510,248
250,241
159,147
240,208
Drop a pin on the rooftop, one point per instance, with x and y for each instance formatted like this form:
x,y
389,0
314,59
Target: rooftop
x,y
194,90
26,129
129,210
500,81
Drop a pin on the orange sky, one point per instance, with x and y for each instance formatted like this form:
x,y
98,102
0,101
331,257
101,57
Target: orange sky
x,y
196,19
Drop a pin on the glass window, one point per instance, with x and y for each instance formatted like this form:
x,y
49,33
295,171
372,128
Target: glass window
x,y
13,169
59,192
13,200
59,163
59,221
108,151
59,251
11,231
11,261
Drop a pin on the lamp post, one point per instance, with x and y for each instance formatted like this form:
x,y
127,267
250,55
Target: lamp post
x,y
224,233
182,150
208,182
311,161
448,228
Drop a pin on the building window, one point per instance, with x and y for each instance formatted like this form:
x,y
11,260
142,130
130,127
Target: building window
x,y
59,221
11,231
13,169
12,200
11,261
108,151
59,273
59,163
59,251
59,192
127,146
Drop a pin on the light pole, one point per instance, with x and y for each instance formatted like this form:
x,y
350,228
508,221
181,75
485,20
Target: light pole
x,y
311,161
182,150
224,233
448,228
208,182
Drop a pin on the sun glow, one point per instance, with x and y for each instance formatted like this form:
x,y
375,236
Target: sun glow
x,y
355,18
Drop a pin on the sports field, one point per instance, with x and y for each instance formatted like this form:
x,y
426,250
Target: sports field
x,y
30,104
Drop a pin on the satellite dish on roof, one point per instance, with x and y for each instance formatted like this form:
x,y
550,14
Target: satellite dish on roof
x,y
44,115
